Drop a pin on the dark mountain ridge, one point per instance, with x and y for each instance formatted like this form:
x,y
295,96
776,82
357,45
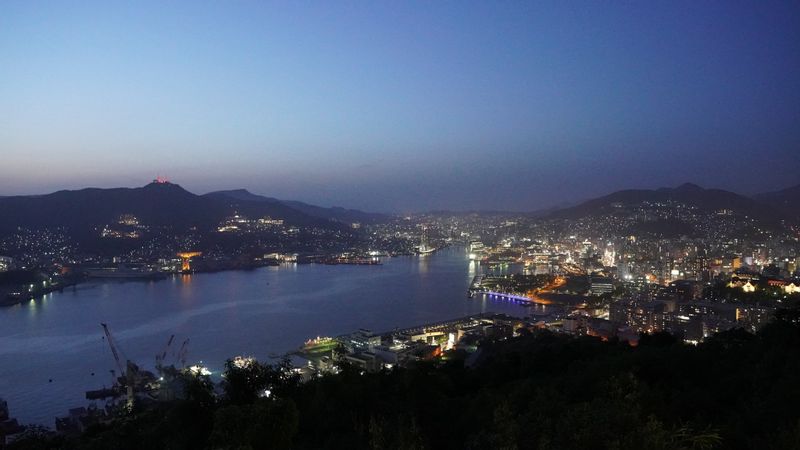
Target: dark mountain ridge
x,y
690,194
786,200
241,195
335,213
157,204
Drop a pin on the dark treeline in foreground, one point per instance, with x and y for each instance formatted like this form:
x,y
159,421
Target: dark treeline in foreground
x,y
541,391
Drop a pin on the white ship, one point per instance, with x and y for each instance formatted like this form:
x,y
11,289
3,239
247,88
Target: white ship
x,y
424,248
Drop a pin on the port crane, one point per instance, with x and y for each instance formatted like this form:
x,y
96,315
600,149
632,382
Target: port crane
x,y
114,351
186,258
130,371
161,356
132,380
181,355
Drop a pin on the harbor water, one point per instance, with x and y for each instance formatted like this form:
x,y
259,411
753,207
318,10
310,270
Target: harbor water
x,y
52,349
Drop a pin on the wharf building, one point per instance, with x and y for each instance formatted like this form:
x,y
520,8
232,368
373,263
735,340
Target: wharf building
x,y
372,352
6,263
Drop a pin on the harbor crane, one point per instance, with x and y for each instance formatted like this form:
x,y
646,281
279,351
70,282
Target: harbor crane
x,y
129,371
114,351
161,356
186,258
132,380
181,355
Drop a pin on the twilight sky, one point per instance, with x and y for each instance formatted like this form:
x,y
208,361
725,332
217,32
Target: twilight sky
x,y
401,106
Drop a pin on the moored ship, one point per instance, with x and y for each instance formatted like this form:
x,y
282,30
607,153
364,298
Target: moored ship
x,y
425,248
124,272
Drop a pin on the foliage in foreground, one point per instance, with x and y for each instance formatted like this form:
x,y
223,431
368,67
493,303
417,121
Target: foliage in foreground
x,y
544,391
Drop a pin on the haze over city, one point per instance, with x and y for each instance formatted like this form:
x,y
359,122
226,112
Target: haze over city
x,y
401,107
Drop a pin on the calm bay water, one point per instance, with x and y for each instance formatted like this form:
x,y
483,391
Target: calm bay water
x,y
259,313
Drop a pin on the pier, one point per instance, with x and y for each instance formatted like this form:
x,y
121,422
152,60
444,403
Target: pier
x,y
510,297
476,288
445,325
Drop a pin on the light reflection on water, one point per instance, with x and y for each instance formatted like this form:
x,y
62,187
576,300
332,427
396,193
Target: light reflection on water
x,y
260,312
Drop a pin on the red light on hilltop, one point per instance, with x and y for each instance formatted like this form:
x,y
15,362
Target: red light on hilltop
x,y
161,180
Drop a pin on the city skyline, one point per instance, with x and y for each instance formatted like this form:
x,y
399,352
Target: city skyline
x,y
401,108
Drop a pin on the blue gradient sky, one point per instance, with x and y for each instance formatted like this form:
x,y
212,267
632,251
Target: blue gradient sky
x,y
400,105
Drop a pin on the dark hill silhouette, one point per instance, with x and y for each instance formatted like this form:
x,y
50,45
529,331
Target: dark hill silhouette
x,y
787,200
690,194
335,213
241,195
157,204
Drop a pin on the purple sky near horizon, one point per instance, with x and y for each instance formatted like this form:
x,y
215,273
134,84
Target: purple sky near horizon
x,y
401,106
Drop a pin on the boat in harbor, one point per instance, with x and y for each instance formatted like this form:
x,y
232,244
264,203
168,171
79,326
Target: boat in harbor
x,y
124,272
425,248
353,261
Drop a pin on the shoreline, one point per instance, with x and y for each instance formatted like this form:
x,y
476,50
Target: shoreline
x,y
10,301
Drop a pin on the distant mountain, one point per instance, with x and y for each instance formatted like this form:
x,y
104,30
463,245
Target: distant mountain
x,y
337,214
155,204
689,194
786,200
479,212
499,212
241,195
544,212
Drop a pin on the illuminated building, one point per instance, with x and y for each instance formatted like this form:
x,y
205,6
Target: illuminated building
x,y
128,219
6,263
270,221
601,285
